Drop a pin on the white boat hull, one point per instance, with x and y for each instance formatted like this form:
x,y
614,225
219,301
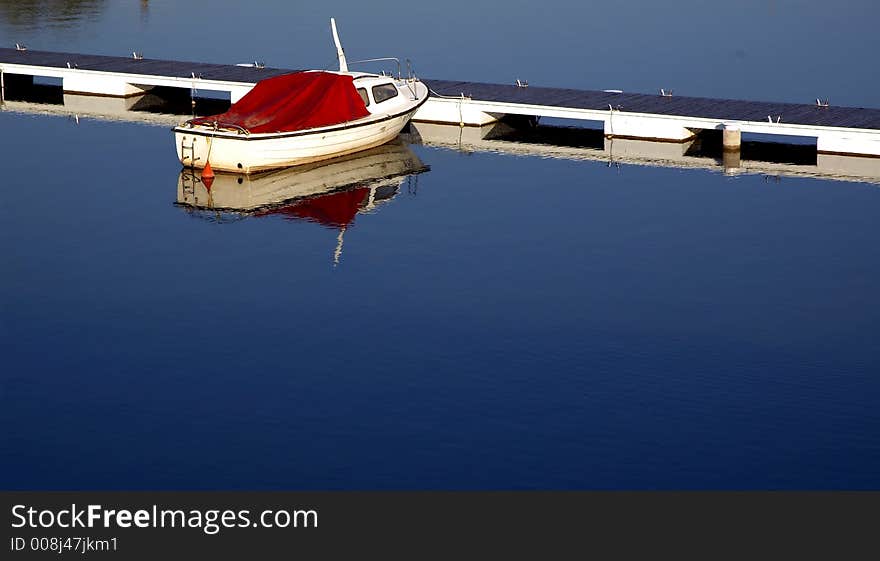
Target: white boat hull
x,y
251,193
247,154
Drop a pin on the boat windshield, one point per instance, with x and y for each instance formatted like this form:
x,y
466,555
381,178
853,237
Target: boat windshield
x,y
363,93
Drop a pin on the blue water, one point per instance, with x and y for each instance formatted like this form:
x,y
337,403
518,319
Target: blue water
x,y
509,322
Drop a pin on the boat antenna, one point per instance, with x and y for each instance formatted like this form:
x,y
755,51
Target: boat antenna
x,y
343,65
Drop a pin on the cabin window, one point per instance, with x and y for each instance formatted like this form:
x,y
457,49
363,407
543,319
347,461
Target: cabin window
x,y
384,92
363,93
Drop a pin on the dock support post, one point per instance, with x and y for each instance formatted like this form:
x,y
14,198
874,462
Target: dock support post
x,y
731,142
731,138
2,87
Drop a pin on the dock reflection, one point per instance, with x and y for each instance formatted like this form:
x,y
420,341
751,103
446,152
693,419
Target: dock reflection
x,y
705,152
331,194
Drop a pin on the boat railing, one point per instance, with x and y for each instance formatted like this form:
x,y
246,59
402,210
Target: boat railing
x,y
220,125
397,60
232,126
410,78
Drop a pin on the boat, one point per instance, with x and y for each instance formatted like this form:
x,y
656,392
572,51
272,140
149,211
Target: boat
x,y
302,117
330,193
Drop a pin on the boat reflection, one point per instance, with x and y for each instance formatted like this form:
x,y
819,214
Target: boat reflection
x,y
330,193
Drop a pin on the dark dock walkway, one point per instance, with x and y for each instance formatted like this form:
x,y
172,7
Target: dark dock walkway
x,y
701,107
145,66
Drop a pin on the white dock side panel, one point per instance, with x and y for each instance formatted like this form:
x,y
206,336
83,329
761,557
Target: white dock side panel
x,y
634,125
97,84
454,111
849,142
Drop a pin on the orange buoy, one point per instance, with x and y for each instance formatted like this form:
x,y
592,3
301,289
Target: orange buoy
x,y
207,176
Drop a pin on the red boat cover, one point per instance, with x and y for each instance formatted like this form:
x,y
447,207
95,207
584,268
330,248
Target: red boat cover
x,y
292,102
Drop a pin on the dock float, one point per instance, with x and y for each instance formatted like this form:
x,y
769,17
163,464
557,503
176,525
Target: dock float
x,y
656,117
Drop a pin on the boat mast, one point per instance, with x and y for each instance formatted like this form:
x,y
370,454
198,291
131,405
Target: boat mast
x,y
343,65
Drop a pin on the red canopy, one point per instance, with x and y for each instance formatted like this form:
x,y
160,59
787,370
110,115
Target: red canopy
x,y
292,102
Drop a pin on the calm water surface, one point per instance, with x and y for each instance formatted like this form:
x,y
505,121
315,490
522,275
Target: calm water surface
x,y
494,322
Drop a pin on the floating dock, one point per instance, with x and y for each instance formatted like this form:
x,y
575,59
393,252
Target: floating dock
x,y
660,117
